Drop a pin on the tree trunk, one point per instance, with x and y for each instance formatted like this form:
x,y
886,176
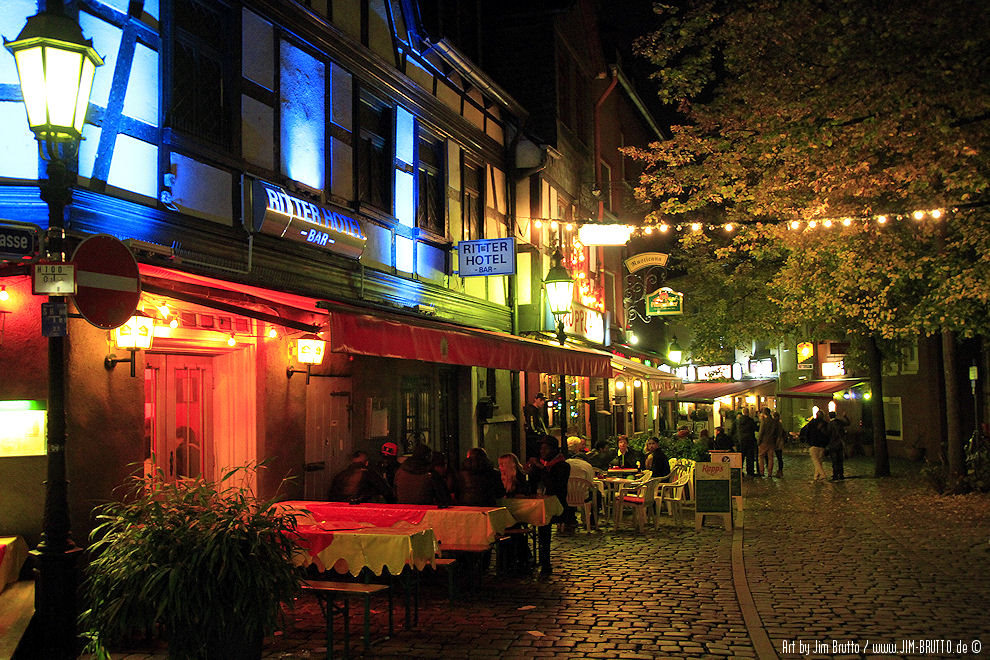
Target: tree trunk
x,y
954,441
881,460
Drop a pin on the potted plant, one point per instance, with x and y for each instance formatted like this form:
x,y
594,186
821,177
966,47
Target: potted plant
x,y
205,562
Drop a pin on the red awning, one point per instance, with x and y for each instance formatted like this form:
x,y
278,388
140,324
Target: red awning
x,y
658,381
383,334
708,392
415,339
821,388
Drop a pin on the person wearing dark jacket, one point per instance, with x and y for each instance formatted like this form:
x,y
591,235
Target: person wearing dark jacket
x,y
746,439
417,483
626,457
551,473
479,483
656,460
359,483
836,430
815,433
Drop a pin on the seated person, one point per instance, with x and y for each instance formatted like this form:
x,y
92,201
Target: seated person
x,y
389,462
627,457
359,483
516,483
583,469
478,483
600,456
514,477
656,460
551,472
416,482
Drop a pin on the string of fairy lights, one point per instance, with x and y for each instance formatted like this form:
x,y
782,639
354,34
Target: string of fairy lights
x,y
796,225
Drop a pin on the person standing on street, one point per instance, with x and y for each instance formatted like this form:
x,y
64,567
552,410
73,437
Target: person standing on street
x,y
767,442
836,449
816,435
537,424
781,441
746,439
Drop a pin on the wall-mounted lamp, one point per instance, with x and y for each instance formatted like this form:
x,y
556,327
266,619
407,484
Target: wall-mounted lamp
x,y
637,383
135,335
4,296
309,351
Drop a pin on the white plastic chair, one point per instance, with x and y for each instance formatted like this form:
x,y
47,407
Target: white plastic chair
x,y
641,501
578,491
673,495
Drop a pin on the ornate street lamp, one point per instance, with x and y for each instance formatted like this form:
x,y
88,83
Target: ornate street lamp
x,y
55,65
559,286
674,352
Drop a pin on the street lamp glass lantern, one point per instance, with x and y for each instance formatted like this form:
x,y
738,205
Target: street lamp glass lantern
x,y
674,352
55,65
559,286
136,334
310,349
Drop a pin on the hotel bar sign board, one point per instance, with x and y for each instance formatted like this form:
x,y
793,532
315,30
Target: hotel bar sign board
x,y
490,256
277,213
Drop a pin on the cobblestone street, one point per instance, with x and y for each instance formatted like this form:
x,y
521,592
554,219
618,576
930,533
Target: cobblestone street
x,y
860,568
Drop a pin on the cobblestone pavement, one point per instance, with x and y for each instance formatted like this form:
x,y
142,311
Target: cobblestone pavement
x,y
817,570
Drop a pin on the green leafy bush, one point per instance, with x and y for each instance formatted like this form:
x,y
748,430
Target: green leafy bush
x,y
206,561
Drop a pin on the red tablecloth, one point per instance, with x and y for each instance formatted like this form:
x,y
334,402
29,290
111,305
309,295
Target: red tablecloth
x,y
456,527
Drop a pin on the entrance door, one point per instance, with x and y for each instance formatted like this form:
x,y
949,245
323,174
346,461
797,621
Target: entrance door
x,y
179,403
328,433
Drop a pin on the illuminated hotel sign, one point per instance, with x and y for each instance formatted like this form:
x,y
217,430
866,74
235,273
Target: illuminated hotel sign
x,y
277,213
491,256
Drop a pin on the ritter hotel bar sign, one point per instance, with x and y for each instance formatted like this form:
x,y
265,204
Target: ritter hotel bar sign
x,y
490,256
277,213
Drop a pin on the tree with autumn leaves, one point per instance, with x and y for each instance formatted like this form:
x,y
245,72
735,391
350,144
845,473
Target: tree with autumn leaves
x,y
844,118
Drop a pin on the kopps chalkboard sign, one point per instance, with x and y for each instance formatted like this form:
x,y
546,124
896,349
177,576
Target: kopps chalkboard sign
x,y
713,492
734,459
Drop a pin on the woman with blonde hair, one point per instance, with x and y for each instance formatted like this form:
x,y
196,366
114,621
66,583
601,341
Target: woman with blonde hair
x,y
513,475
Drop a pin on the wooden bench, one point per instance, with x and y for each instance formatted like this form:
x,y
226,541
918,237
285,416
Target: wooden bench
x,y
327,592
16,610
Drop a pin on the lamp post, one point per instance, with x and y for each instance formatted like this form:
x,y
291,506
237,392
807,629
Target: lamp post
x,y
674,352
559,286
55,66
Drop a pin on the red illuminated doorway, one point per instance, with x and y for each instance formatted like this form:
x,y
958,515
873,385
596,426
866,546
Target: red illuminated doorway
x,y
179,415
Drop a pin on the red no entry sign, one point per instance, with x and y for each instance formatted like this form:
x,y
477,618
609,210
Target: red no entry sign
x,y
108,286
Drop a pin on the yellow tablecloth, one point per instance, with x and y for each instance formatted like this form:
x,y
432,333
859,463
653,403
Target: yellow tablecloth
x,y
374,548
537,510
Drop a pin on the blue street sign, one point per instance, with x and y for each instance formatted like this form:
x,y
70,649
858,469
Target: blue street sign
x,y
18,241
54,319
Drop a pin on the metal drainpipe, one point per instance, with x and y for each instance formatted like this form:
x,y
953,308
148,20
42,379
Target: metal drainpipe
x,y
598,139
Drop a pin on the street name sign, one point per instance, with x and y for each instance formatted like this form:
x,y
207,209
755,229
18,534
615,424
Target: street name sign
x,y
18,241
108,284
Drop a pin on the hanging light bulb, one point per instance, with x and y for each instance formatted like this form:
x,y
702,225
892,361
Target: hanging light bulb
x,y
231,341
918,215
695,226
847,221
795,224
173,323
538,224
553,225
664,227
728,226
812,224
648,230
827,223
4,296
272,332
881,219
936,213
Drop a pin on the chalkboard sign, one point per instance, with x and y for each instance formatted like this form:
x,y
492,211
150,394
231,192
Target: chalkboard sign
x,y
712,488
734,459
